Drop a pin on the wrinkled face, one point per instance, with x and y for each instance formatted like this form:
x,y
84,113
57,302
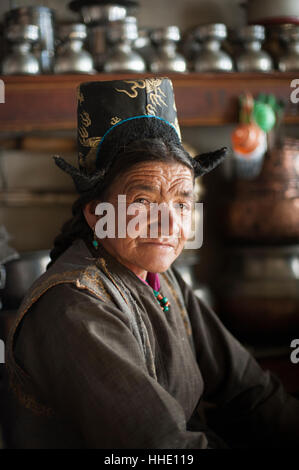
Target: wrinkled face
x,y
154,238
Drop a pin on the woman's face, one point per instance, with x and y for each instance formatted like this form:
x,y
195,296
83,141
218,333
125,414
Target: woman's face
x,y
154,239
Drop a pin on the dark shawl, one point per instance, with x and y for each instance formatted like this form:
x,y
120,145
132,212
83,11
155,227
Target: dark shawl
x,y
96,363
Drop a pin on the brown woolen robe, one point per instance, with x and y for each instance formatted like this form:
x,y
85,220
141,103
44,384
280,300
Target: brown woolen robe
x,y
96,363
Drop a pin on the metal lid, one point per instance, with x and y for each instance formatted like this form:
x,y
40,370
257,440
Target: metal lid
x,y
72,31
22,32
144,38
103,13
211,31
123,29
168,33
289,32
254,32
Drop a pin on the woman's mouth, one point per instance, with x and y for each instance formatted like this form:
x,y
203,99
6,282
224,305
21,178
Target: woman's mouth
x,y
160,245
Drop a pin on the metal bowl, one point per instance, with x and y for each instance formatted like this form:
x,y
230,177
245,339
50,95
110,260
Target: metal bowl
x,y
20,275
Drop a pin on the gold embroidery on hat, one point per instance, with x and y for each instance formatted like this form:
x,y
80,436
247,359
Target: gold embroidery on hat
x,y
83,132
115,120
80,96
150,109
94,141
135,84
152,86
90,141
156,98
155,95
85,118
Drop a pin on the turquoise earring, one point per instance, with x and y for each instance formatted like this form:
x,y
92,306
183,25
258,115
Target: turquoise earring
x,y
95,242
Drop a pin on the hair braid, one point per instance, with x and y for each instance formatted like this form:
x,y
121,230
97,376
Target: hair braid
x,y
75,227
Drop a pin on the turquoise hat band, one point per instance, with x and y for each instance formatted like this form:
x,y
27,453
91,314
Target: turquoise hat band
x,y
130,119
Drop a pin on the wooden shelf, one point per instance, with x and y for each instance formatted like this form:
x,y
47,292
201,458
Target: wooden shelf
x,y
48,102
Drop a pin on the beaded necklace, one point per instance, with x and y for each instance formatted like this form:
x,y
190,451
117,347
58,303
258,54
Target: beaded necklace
x,y
163,301
154,283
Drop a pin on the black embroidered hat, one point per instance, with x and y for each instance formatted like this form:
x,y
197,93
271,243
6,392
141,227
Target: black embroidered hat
x,y
113,114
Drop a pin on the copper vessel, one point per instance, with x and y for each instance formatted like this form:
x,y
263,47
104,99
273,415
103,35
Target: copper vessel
x,y
266,209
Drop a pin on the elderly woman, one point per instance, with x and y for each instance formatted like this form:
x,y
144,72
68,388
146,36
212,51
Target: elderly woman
x,y
111,348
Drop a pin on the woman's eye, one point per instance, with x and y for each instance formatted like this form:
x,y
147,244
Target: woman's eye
x,y
182,206
141,200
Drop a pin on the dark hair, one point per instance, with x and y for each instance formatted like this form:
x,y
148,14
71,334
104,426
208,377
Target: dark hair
x,y
129,155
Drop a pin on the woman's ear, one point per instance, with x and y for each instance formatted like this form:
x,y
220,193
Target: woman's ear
x,y
89,213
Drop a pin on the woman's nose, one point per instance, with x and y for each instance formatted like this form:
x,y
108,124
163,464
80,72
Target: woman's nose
x,y
169,221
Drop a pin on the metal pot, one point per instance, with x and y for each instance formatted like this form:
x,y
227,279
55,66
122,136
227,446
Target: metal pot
x,y
122,58
167,58
258,292
253,58
21,60
20,274
71,57
273,43
211,58
44,18
289,60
